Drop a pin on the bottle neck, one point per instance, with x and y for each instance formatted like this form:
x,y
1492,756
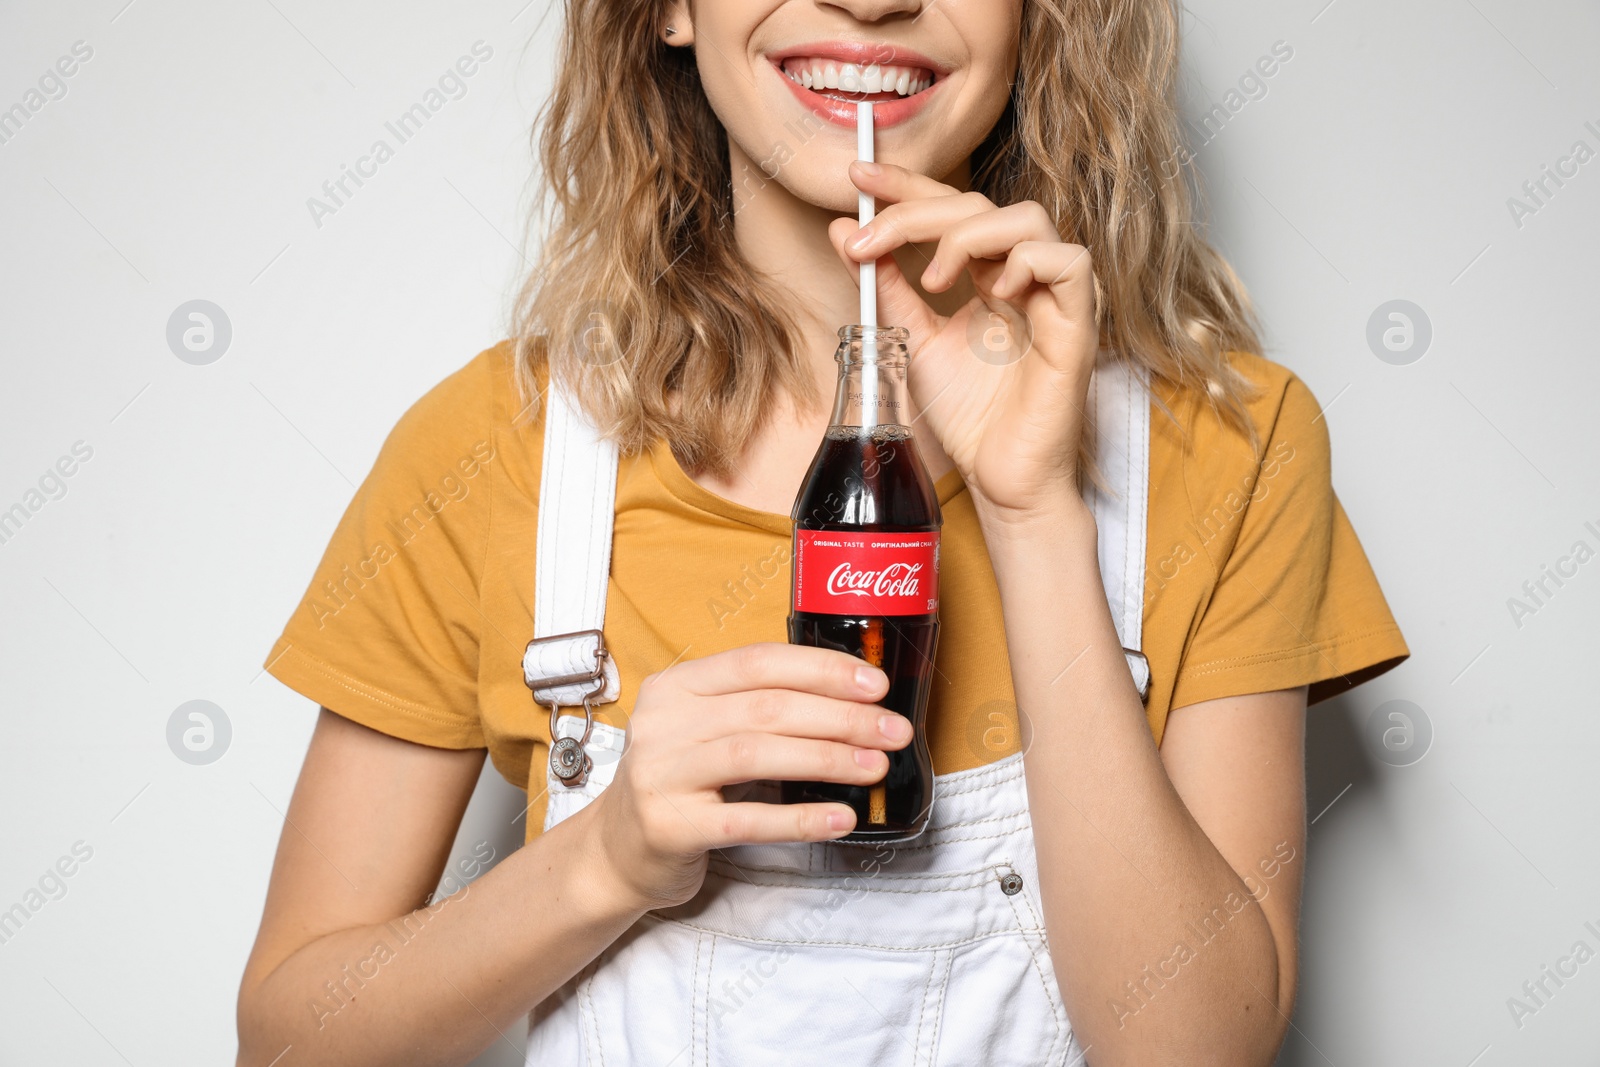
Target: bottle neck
x,y
872,381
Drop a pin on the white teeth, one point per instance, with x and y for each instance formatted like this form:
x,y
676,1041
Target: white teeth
x,y
819,74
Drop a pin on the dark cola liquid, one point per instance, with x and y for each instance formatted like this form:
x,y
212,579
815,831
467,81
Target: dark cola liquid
x,y
875,481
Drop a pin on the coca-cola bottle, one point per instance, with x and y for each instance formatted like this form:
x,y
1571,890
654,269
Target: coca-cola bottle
x,y
866,569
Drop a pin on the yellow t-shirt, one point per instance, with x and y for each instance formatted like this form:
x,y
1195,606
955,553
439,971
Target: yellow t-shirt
x,y
417,617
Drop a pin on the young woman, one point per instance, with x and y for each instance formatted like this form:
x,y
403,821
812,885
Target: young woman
x,y
1132,897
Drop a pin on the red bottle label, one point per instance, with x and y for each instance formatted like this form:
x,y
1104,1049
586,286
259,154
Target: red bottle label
x,y
858,573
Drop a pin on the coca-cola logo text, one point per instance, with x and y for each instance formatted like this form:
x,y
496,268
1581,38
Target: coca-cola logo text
x,y
897,579
864,572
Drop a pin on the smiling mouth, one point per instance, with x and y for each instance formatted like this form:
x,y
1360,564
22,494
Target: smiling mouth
x,y
854,82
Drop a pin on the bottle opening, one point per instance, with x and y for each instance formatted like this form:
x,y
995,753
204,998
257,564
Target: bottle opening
x,y
871,344
892,334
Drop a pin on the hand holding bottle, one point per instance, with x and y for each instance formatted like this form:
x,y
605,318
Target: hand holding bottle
x,y
764,711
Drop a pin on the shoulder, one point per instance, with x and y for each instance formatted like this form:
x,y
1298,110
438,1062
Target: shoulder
x,y
1282,407
1281,418
476,398
474,412
1225,491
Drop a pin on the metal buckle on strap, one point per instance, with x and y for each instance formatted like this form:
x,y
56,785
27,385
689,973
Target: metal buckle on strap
x,y
569,763
596,675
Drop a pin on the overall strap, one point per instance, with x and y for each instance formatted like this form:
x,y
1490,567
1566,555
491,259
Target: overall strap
x,y
1119,399
566,660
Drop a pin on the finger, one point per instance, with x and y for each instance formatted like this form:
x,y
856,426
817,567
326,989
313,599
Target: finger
x,y
756,823
784,711
1067,271
886,181
990,235
899,302
771,665
913,223
750,757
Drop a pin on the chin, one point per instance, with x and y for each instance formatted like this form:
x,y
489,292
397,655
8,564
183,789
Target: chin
x,y
829,190
816,171
817,174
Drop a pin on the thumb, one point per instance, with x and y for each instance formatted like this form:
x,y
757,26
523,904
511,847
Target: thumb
x,y
898,303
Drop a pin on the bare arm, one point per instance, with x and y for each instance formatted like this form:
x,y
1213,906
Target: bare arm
x,y
1133,851
365,842
1170,878
350,967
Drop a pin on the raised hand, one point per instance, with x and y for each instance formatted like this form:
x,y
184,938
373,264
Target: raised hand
x,y
1001,383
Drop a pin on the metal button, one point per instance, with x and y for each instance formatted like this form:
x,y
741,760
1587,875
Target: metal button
x,y
1011,883
569,763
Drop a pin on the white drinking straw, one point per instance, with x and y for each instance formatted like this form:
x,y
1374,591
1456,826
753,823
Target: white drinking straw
x,y
865,211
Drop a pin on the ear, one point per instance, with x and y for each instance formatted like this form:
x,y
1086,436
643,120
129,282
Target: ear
x,y
677,29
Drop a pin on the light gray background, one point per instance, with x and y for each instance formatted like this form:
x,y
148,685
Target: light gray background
x,y
177,167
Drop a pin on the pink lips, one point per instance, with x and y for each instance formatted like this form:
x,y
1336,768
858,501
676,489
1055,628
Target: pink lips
x,y
889,111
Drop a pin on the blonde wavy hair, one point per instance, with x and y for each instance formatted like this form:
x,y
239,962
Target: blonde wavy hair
x,y
639,238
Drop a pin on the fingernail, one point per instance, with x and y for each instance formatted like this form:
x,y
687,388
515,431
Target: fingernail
x,y
861,239
869,168
870,679
867,758
840,820
894,727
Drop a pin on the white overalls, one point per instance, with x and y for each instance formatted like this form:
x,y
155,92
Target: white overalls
x,y
926,952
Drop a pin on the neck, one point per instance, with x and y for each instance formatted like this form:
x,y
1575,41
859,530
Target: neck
x,y
786,239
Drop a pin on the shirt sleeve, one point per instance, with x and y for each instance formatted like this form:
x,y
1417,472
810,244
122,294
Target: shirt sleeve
x,y
388,631
1296,601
